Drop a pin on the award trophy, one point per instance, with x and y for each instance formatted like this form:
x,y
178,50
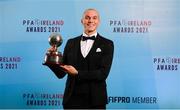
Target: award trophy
x,y
53,56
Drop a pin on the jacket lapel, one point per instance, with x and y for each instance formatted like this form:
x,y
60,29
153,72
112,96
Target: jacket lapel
x,y
95,45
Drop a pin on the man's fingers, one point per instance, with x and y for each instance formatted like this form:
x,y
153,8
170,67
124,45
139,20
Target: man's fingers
x,y
64,67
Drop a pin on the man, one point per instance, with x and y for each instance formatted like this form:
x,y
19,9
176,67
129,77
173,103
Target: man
x,y
87,60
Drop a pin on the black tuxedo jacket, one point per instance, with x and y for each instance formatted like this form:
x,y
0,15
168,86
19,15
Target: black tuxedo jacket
x,y
100,60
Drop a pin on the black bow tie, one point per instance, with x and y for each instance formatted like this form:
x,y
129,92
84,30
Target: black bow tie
x,y
88,38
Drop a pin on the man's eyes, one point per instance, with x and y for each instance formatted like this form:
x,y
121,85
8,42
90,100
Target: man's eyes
x,y
94,17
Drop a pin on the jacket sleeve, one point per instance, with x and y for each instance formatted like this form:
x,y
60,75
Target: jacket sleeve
x,y
58,71
102,72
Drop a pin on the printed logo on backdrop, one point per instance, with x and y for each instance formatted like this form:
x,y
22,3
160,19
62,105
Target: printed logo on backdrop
x,y
166,63
10,63
42,99
42,25
134,100
130,26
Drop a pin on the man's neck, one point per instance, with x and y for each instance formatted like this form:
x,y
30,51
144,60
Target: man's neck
x,y
89,33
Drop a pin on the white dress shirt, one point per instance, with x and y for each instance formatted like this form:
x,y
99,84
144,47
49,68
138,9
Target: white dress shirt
x,y
87,44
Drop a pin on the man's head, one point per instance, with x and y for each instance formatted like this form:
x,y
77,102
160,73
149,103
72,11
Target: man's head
x,y
90,20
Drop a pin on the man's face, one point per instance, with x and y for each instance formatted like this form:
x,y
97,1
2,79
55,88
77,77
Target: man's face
x,y
90,21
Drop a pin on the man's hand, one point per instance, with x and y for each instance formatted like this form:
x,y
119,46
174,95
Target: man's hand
x,y
70,69
52,49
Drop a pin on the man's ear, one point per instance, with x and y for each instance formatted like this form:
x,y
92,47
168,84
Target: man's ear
x,y
81,21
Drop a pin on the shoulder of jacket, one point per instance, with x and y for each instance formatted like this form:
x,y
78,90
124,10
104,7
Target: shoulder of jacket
x,y
105,40
71,40
74,39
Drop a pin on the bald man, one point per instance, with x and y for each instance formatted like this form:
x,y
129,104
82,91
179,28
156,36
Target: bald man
x,y
87,61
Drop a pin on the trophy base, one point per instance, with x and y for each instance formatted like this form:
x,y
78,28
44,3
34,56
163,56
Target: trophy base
x,y
53,59
52,63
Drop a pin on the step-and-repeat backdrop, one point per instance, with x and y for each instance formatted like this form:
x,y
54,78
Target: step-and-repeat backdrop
x,y
146,67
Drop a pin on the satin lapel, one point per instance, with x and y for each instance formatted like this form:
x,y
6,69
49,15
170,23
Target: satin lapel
x,y
95,45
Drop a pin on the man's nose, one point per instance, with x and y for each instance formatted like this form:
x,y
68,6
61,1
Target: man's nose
x,y
90,20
